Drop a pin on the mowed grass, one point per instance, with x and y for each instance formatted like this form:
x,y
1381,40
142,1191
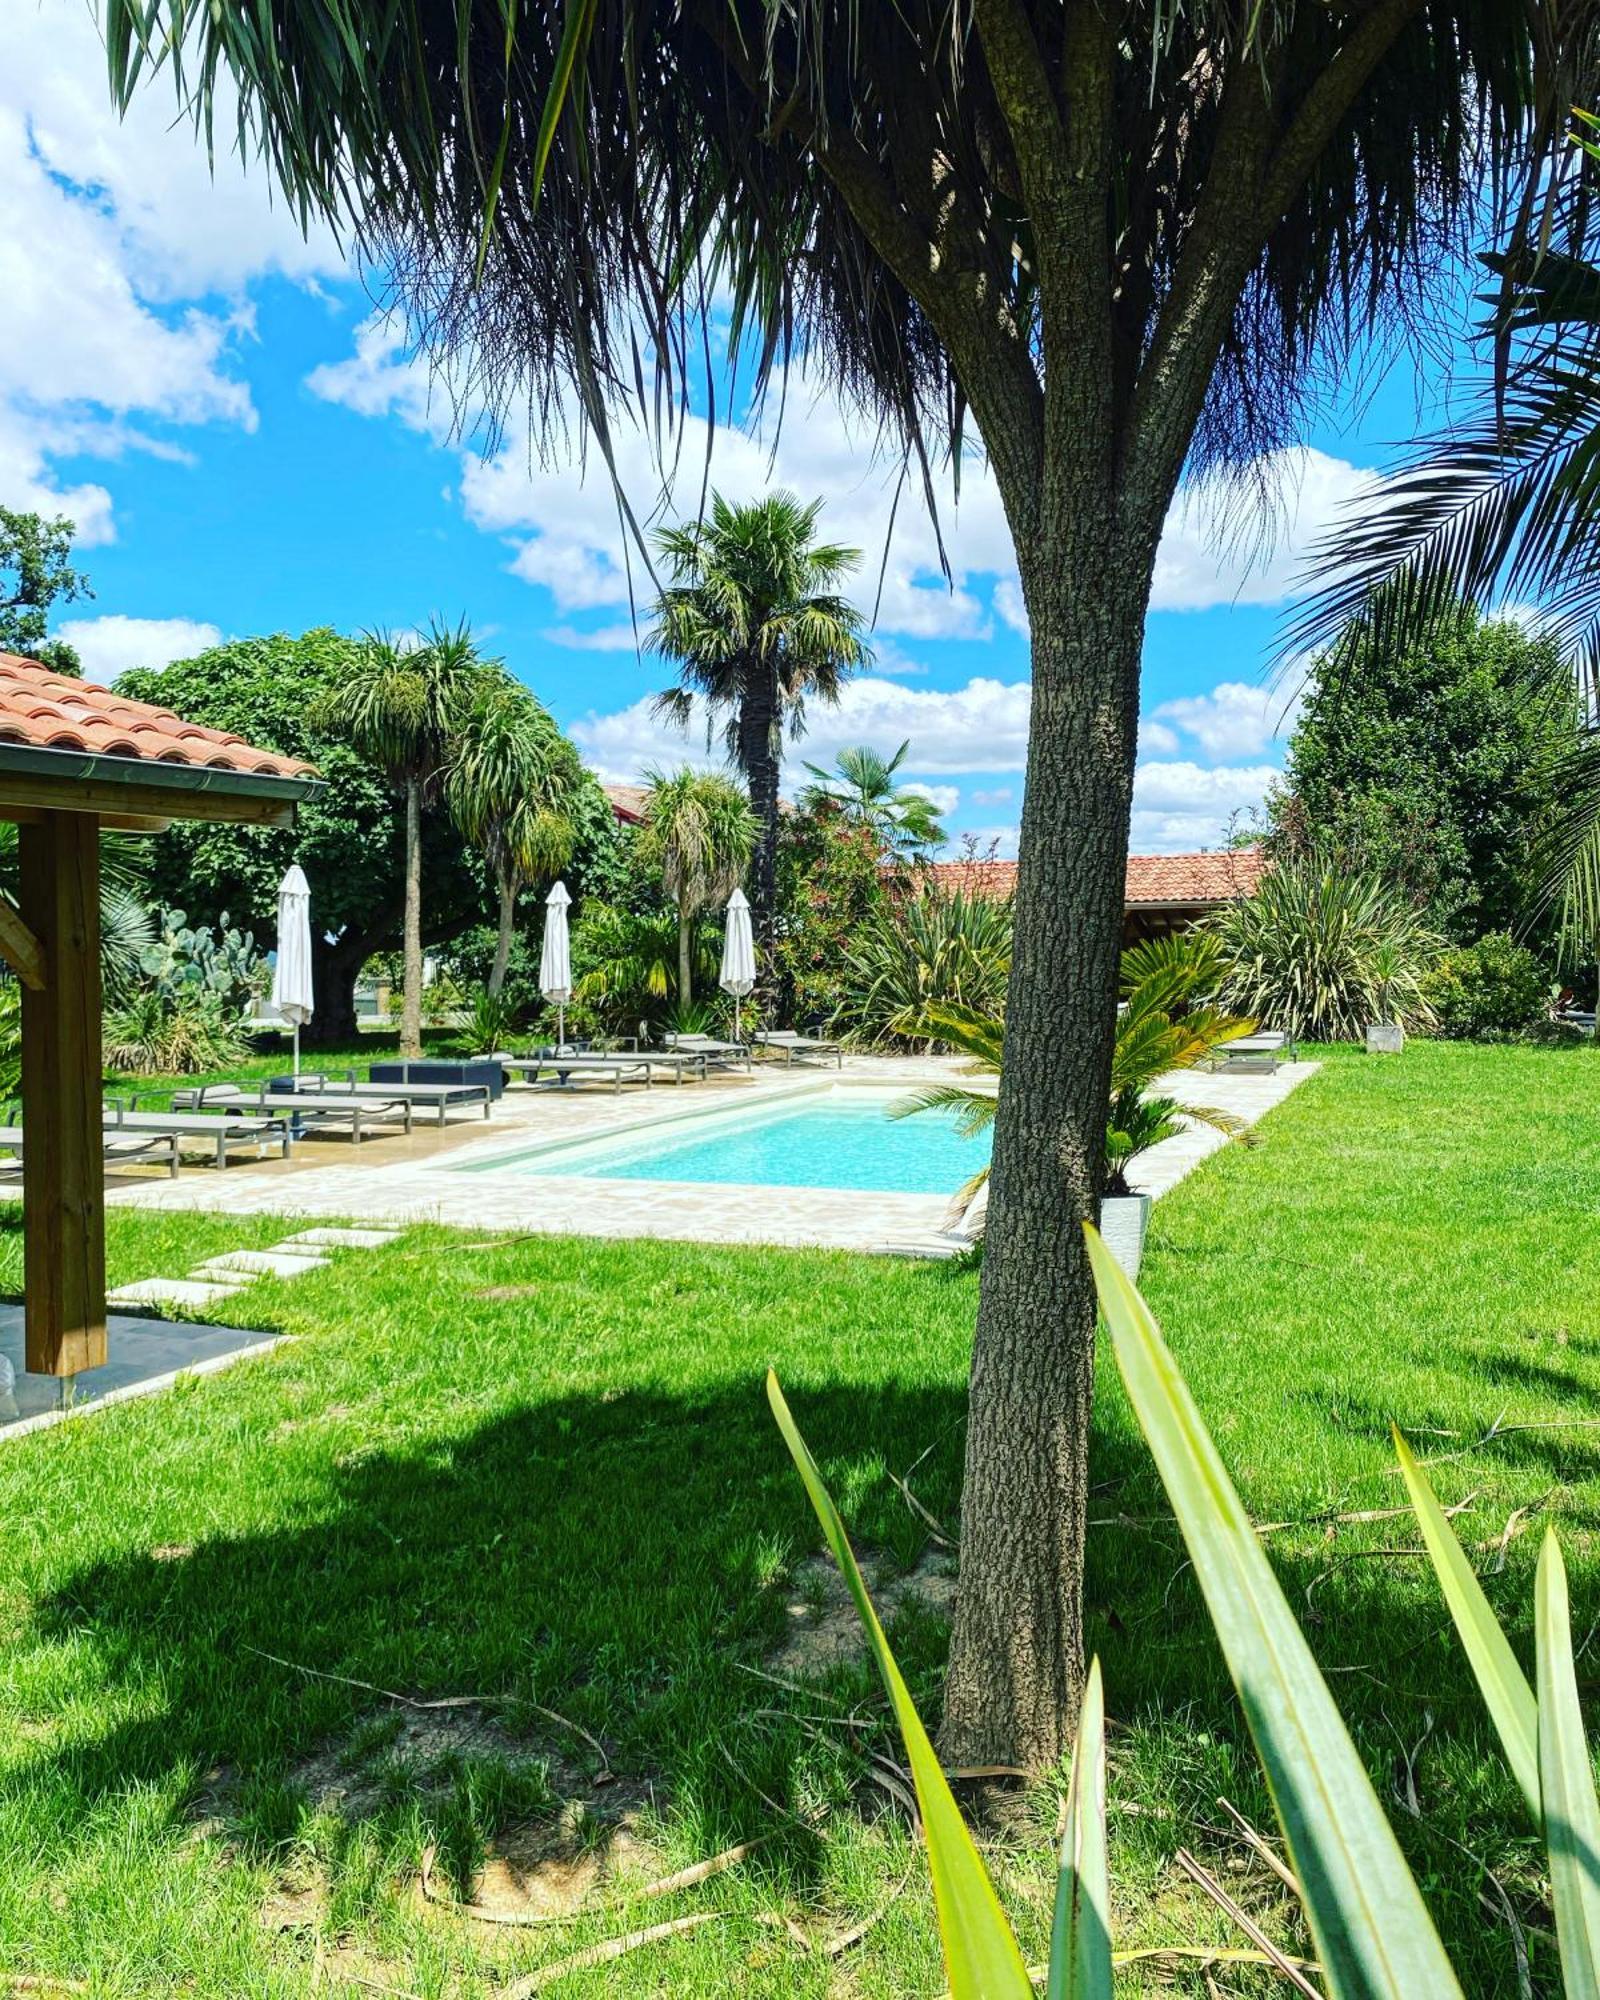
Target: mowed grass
x,y
541,1473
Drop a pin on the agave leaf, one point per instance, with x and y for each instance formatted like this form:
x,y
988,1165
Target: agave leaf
x,y
1571,1816
1080,1935
980,1954
1503,1684
1374,1935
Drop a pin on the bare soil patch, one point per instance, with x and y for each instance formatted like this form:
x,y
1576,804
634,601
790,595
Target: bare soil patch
x,y
824,1631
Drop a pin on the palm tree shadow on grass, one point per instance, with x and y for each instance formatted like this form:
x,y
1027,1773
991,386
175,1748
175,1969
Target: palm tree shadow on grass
x,y
611,1559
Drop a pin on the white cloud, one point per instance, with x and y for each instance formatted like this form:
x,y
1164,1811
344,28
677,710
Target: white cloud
x,y
980,727
1179,806
990,843
619,638
1234,720
122,264
1000,795
109,645
943,798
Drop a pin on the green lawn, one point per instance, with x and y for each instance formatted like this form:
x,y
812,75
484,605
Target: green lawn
x,y
542,1473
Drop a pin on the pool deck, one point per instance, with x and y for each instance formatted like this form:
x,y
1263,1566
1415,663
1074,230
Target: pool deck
x,y
418,1179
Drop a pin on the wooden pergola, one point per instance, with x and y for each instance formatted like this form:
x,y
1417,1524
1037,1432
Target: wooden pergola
x,y
74,758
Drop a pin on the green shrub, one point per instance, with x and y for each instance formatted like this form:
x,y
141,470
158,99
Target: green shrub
x,y
929,950
1321,950
173,1034
1493,990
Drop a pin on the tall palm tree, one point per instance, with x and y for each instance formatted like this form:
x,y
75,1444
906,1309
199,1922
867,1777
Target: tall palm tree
x,y
699,831
511,788
754,622
905,825
401,708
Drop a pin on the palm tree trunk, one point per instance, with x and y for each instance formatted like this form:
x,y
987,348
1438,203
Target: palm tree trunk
x,y
759,759
502,944
685,955
1016,1658
411,1009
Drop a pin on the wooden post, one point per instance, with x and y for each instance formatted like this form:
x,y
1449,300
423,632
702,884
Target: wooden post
x,y
63,1173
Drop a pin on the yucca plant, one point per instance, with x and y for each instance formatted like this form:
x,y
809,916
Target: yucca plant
x,y
1321,950
932,949
1374,1937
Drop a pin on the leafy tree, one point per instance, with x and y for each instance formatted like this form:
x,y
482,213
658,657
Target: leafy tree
x,y
512,781
401,707
1121,238
36,572
830,884
698,831
349,837
903,823
1433,762
753,619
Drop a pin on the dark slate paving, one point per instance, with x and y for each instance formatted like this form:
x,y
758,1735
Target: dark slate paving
x,y
140,1349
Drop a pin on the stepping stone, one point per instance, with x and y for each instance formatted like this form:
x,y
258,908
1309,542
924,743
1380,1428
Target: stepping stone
x,y
175,1292
257,1263
340,1239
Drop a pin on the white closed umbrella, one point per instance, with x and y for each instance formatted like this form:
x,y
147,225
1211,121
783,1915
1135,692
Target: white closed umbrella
x,y
291,975
555,960
738,974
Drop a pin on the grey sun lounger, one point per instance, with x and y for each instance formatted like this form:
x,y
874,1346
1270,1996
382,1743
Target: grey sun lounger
x,y
618,1070
220,1129
726,1055
160,1148
442,1096
307,1108
795,1047
1260,1054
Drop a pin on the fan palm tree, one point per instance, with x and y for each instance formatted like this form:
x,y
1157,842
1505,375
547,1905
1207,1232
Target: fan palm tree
x,y
905,825
511,787
699,832
401,707
753,619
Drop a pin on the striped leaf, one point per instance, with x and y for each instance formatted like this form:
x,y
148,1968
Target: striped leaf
x,y
1571,1817
1374,1936
1080,1935
1504,1685
980,1954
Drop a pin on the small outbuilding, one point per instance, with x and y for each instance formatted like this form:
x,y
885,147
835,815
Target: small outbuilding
x,y
74,758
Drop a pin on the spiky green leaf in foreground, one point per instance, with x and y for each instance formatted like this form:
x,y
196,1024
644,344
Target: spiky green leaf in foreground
x,y
1571,1817
1080,1936
981,1955
1374,1936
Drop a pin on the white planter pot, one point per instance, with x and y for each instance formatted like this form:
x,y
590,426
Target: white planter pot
x,y
1124,1218
1385,1038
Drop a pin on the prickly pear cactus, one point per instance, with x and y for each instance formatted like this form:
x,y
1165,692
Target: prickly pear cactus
x,y
195,962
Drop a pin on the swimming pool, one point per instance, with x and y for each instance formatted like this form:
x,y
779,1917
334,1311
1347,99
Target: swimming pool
x,y
839,1138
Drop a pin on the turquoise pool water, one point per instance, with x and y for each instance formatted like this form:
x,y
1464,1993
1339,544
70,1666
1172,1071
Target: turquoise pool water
x,y
844,1139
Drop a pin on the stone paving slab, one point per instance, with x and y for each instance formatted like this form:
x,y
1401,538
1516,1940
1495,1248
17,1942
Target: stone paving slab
x,y
259,1263
341,1239
146,1355
175,1292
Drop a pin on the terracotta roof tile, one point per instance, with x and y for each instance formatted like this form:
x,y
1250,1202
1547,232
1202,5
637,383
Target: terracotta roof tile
x,y
55,712
1182,879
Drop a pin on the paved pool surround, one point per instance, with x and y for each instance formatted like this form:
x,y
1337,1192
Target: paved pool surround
x,y
420,1178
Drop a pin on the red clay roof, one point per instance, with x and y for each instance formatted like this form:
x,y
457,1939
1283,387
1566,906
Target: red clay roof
x,y
55,712
1185,880
627,802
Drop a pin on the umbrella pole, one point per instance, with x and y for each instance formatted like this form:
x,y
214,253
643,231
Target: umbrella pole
x,y
297,1048
561,1026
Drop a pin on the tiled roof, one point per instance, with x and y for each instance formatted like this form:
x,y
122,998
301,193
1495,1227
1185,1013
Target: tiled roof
x,y
627,802
55,712
1184,880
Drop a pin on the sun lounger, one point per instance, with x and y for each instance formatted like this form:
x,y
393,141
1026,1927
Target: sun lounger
x,y
725,1055
1253,1053
442,1096
795,1047
307,1108
619,1069
118,1148
221,1129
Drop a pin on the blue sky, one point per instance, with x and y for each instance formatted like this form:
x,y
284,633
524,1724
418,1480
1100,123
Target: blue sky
x,y
246,448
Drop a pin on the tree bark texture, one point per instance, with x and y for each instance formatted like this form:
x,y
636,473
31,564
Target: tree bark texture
x,y
502,943
1016,1661
685,955
411,1002
760,760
